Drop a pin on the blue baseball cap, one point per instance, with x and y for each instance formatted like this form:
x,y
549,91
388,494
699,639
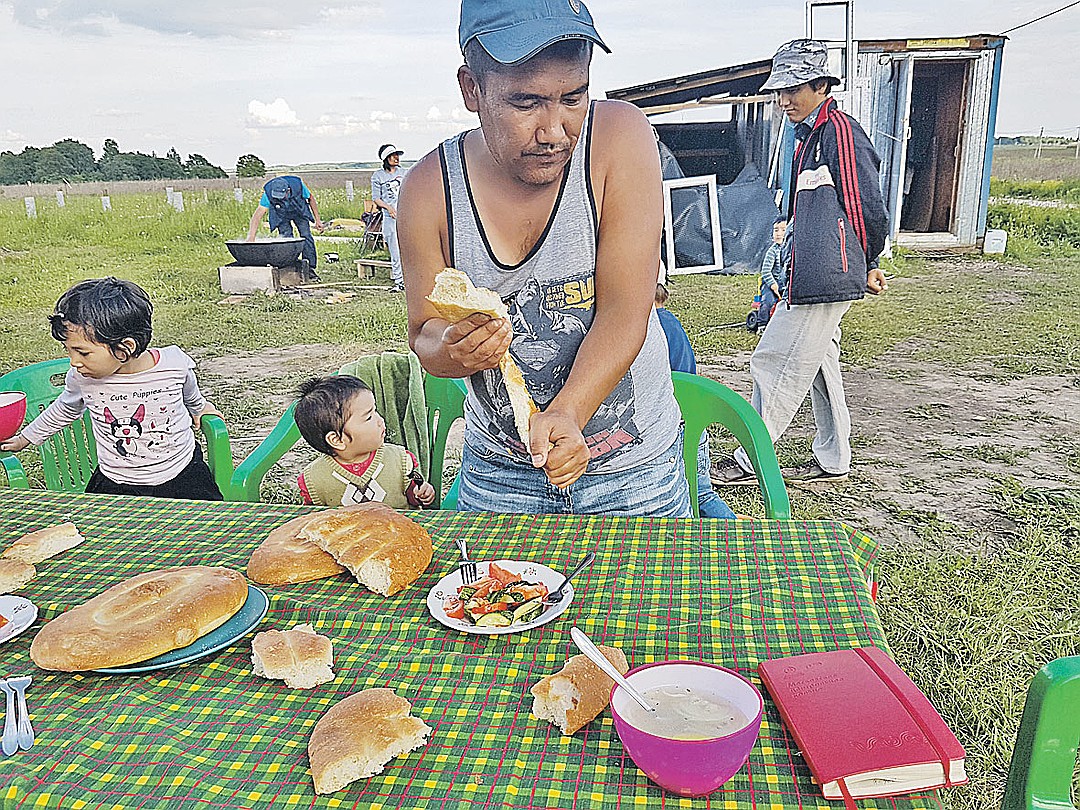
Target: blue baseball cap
x,y
515,30
278,188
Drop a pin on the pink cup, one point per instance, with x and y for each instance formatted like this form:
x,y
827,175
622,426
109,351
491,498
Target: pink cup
x,y
689,767
12,411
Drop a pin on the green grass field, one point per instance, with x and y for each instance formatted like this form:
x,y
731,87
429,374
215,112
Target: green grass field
x,y
971,625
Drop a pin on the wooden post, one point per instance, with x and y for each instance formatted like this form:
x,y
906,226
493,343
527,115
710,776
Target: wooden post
x,y
205,198
349,192
60,199
31,207
238,194
106,203
1038,143
168,194
178,201
1077,155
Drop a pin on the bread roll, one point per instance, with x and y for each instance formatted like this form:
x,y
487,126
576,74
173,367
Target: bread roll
x,y
300,657
283,558
455,298
578,692
139,618
384,550
38,546
14,574
359,735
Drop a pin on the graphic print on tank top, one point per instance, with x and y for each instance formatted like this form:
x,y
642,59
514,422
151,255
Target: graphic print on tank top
x,y
550,321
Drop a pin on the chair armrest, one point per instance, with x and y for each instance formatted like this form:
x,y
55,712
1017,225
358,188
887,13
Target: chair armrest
x,y
218,452
248,476
16,475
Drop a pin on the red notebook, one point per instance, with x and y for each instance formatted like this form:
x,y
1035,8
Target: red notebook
x,y
863,727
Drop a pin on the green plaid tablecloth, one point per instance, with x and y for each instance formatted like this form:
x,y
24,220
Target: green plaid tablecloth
x,y
211,734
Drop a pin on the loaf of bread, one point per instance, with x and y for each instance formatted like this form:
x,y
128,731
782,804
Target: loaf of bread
x,y
139,618
360,734
384,550
300,657
284,558
14,574
38,546
578,692
456,298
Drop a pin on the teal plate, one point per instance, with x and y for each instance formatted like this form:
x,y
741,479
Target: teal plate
x,y
239,625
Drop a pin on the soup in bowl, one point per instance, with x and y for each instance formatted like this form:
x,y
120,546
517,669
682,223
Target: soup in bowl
x,y
12,411
706,723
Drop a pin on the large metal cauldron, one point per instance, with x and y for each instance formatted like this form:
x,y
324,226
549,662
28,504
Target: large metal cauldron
x,y
274,252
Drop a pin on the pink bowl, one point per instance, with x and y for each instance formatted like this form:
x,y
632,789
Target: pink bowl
x,y
689,767
12,411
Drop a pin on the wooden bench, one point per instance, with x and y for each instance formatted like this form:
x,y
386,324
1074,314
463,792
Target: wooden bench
x,y
365,268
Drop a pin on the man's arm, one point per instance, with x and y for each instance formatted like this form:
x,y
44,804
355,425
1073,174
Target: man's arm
x,y
315,211
256,218
444,349
629,196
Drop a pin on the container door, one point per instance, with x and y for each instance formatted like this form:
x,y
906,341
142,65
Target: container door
x,y
903,71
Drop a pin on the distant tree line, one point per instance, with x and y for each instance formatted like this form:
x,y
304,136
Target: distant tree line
x,y
72,161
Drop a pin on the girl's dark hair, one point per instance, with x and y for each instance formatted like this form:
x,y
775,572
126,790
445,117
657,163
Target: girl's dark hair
x,y
110,311
323,408
386,160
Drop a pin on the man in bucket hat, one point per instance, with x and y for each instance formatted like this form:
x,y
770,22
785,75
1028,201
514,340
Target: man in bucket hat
x,y
385,185
554,203
837,230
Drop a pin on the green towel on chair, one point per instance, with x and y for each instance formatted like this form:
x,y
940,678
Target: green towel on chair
x,y
397,380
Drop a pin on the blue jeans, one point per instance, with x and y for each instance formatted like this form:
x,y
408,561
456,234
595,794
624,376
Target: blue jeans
x,y
304,228
710,505
492,482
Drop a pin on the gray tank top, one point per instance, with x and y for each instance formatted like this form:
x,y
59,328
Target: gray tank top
x,y
550,296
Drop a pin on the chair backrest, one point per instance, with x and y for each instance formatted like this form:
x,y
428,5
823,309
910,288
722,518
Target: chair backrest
x,y
1041,772
68,459
445,404
704,402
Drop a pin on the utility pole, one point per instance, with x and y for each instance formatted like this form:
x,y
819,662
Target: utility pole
x,y
1038,143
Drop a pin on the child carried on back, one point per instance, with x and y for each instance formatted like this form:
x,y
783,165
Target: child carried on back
x,y
143,402
336,415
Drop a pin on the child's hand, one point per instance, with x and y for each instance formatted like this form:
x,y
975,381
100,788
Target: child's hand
x,y
425,493
775,289
14,445
208,410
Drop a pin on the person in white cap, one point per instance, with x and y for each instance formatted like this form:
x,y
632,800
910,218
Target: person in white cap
x,y
385,184
555,203
837,230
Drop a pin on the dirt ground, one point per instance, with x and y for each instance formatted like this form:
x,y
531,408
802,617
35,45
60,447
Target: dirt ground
x,y
930,443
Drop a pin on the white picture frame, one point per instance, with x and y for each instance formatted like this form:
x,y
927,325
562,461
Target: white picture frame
x,y
709,181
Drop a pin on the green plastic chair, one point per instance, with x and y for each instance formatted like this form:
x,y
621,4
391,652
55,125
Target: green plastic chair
x,y
68,459
704,402
1041,772
445,400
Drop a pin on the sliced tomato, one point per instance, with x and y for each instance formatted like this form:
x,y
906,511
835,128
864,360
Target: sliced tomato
x,y
454,608
503,576
488,607
530,591
485,586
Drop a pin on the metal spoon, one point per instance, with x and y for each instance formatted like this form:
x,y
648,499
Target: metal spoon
x,y
593,654
26,731
9,744
556,595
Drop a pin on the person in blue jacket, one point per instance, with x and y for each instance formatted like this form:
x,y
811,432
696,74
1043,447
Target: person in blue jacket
x,y
837,230
289,202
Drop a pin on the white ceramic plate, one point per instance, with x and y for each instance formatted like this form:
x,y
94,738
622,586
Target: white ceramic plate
x,y
529,571
20,614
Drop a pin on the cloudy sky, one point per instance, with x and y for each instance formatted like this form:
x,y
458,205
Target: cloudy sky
x,y
329,80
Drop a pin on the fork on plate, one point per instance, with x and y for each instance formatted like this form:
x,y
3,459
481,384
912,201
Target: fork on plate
x,y
469,571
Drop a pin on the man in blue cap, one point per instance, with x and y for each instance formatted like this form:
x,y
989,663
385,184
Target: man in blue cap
x,y
837,229
555,203
289,202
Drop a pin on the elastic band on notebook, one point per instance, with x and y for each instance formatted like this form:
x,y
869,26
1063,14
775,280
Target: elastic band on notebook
x,y
943,756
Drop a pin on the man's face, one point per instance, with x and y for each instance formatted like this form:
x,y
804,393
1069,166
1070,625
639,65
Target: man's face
x,y
799,101
531,115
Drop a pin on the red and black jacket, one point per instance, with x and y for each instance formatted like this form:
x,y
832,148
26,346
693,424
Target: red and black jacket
x,y
838,215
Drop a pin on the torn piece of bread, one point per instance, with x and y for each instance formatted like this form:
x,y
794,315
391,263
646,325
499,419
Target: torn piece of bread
x,y
39,546
300,657
384,550
578,692
359,735
456,298
14,574
284,558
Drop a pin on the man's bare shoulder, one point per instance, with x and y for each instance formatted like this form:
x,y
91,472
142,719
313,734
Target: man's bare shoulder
x,y
622,140
425,176
617,121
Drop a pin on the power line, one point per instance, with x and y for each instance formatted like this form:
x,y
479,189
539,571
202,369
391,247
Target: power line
x,y
1037,19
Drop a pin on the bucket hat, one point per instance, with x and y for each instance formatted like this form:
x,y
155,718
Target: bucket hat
x,y
514,30
798,62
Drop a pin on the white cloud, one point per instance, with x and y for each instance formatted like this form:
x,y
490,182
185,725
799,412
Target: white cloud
x,y
277,113
434,114
9,137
